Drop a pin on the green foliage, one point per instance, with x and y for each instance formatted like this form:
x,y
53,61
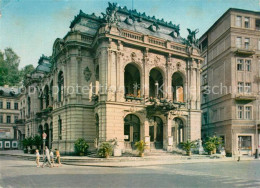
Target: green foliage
x,y
37,141
28,69
9,68
25,143
81,146
210,146
216,140
30,141
140,146
9,72
188,145
105,149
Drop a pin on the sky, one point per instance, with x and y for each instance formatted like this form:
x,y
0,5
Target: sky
x,y
30,27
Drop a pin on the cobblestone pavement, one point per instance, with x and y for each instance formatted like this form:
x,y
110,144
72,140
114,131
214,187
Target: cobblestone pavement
x,y
16,172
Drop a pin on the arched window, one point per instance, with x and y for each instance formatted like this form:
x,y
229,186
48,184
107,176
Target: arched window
x,y
40,130
29,105
46,96
60,128
97,127
51,91
60,86
132,81
177,87
155,83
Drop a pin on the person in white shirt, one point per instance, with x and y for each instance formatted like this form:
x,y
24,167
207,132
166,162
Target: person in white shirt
x,y
37,158
47,158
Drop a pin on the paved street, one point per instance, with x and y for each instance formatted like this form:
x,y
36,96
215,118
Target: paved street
x,y
20,173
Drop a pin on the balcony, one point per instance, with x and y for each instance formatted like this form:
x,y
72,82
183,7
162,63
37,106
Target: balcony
x,y
245,96
132,98
246,50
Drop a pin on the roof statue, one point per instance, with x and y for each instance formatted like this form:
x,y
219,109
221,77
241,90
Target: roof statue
x,y
111,14
191,39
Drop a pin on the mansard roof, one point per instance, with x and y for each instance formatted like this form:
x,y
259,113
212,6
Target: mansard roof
x,y
130,20
9,91
44,64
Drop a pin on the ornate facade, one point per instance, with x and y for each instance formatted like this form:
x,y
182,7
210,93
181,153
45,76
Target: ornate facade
x,y
126,76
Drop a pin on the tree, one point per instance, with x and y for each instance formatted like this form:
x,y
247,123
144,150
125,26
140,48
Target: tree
x,y
9,72
28,69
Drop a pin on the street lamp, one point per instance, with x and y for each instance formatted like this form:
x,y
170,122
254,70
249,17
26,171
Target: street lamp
x,y
44,135
256,135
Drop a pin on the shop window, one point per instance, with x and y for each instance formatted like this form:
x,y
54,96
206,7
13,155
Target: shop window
x,y
245,142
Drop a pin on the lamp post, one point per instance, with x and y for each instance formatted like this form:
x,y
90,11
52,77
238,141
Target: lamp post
x,y
256,135
44,135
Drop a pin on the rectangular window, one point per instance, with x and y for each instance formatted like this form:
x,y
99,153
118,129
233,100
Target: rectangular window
x,y
248,112
16,106
8,105
8,119
60,128
248,65
248,88
238,42
257,24
205,117
245,142
240,87
259,44
239,112
15,118
1,119
240,63
247,22
205,79
247,43
1,104
239,21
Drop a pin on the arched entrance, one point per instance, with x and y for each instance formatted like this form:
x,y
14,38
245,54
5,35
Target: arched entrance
x,y
97,129
132,81
179,127
156,132
131,130
177,87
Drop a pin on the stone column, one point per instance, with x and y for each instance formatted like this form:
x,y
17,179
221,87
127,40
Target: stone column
x,y
169,137
145,75
146,134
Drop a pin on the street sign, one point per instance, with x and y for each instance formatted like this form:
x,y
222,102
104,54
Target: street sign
x,y
44,135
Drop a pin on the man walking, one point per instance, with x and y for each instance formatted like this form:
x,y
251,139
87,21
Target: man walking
x,y
47,158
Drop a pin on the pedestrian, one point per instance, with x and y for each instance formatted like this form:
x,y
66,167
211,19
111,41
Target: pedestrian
x,y
239,155
58,157
52,158
47,158
37,158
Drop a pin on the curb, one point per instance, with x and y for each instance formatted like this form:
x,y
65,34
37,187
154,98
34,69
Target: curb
x,y
131,163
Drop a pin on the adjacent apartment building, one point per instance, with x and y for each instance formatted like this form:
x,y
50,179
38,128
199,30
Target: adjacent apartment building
x,y
230,80
126,77
11,118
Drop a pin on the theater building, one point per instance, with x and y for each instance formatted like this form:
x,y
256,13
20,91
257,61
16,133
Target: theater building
x,y
125,76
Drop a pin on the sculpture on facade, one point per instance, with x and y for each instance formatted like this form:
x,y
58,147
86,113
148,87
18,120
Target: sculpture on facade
x,y
110,16
87,74
191,40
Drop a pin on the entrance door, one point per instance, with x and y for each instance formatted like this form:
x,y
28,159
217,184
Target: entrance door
x,y
131,131
156,132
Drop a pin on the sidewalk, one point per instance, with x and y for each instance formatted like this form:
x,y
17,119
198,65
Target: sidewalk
x,y
127,161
